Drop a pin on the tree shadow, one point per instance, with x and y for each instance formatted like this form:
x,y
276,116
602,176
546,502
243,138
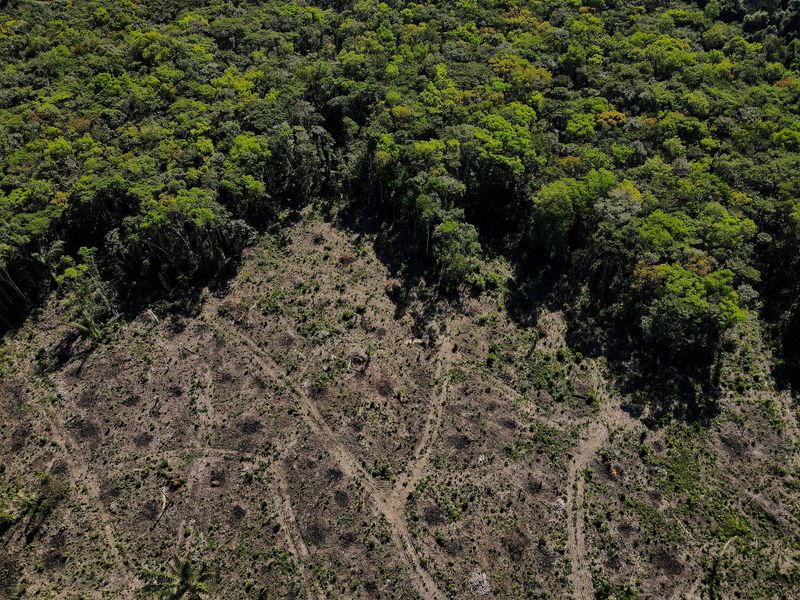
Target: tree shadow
x,y
661,395
528,294
396,247
785,324
175,303
20,296
659,388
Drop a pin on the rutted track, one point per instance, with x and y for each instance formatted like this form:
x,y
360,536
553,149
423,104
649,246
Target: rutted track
x,y
610,418
389,505
414,473
80,473
294,537
576,542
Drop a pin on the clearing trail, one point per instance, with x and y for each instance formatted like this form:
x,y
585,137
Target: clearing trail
x,y
611,418
576,542
421,579
294,536
80,474
410,478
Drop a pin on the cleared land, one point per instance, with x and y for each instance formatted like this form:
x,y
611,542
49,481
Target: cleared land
x,y
308,434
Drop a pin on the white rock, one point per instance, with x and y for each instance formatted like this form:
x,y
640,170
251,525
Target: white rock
x,y
479,584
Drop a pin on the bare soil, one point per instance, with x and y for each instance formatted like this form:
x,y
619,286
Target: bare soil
x,y
303,436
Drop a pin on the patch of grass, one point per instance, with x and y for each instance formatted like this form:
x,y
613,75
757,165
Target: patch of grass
x,y
604,589
332,369
281,560
272,302
541,438
550,373
457,376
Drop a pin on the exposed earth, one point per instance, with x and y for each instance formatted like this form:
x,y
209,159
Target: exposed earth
x,y
315,432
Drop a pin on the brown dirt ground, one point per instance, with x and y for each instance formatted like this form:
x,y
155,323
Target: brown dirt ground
x,y
302,437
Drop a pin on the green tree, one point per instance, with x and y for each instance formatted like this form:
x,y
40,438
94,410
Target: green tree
x,y
456,252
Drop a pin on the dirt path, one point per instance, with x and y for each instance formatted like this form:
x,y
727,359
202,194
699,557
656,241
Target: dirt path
x,y
207,413
200,457
611,418
595,437
392,510
416,470
294,537
79,473
423,582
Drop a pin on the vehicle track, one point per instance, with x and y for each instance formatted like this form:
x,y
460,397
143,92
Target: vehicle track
x,y
576,542
79,472
423,582
294,536
410,478
610,418
199,455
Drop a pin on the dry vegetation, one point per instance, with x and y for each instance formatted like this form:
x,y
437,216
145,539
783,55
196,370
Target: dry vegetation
x,y
310,433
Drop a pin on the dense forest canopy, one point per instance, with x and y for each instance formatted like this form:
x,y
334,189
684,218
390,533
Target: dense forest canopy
x,y
645,155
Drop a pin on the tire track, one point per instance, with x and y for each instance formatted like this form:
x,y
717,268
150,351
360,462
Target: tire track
x,y
576,541
410,478
79,472
423,582
198,455
595,438
294,536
